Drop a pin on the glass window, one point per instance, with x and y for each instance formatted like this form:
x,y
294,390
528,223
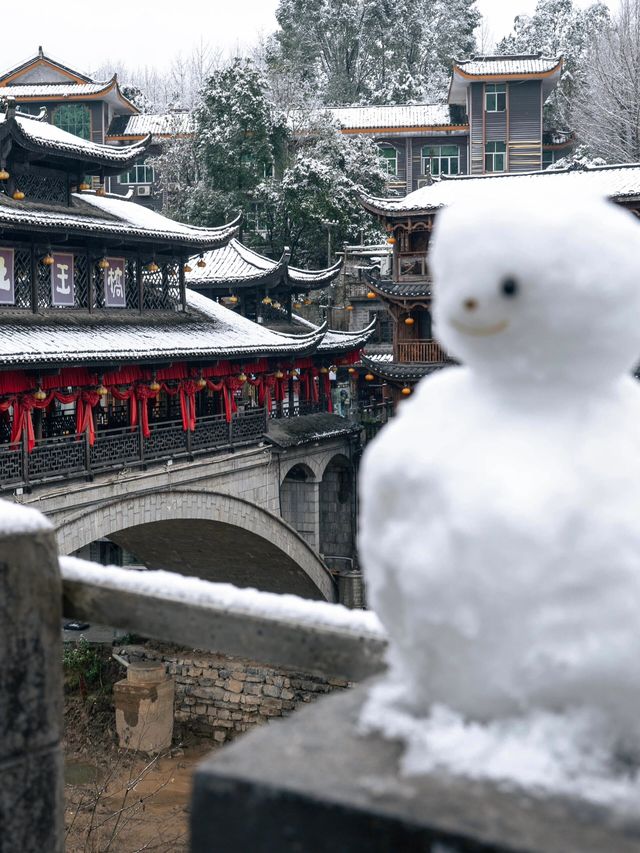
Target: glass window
x,y
495,155
74,118
440,160
548,158
389,157
256,216
495,96
140,173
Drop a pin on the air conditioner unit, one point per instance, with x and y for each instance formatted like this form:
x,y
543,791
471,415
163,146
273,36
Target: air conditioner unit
x,y
173,188
424,182
143,190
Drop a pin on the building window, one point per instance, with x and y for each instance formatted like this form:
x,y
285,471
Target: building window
x,y
441,160
389,157
256,216
140,173
548,159
495,97
74,118
495,154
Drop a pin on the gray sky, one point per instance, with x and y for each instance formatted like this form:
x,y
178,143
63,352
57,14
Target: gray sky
x,y
152,32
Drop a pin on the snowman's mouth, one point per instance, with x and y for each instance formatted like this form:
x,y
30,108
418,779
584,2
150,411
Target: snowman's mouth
x,y
480,331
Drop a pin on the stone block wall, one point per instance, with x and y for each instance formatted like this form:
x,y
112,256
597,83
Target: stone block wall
x,y
336,511
221,696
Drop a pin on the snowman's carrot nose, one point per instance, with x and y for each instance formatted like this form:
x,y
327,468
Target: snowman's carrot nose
x,y
470,304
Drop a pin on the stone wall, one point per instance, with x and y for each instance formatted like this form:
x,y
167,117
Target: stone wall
x,y
336,510
223,696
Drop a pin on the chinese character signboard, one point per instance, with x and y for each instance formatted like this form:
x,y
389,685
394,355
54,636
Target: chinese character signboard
x,y
114,284
62,280
7,280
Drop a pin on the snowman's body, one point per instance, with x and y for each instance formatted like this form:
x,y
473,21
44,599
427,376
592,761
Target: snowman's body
x,y
501,509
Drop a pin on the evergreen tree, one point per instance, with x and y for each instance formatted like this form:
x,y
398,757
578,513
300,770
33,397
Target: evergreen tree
x,y
373,51
557,28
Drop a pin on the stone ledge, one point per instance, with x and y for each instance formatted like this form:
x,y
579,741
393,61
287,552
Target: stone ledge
x,y
310,783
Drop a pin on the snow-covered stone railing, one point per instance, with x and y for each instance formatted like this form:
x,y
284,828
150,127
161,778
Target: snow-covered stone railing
x,y
282,630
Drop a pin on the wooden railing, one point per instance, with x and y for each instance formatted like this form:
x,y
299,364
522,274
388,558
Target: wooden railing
x,y
423,351
412,266
66,456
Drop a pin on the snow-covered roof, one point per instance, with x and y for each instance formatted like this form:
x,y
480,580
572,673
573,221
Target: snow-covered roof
x,y
109,216
336,342
207,330
42,91
158,124
617,182
397,116
235,265
43,137
505,67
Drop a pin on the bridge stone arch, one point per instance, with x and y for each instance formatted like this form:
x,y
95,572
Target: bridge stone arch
x,y
209,534
337,510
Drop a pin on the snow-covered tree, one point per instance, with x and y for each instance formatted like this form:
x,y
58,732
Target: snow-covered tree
x,y
607,115
557,28
365,51
580,158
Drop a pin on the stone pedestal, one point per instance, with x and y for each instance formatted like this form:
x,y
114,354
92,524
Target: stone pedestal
x,y
311,784
144,708
31,782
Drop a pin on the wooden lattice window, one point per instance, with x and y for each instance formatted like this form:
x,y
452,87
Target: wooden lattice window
x,y
74,118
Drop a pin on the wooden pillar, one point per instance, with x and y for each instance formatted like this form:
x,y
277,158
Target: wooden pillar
x,y
183,287
291,397
34,280
91,285
140,283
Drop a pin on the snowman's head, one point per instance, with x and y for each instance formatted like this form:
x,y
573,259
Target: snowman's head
x,y
538,287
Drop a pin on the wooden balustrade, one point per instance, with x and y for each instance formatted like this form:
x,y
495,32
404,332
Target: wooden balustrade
x,y
423,351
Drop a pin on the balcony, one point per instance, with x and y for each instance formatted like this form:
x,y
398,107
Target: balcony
x,y
63,457
412,266
422,351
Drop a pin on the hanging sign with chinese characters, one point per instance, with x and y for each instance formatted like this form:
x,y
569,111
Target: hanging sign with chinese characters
x,y
62,280
7,280
115,295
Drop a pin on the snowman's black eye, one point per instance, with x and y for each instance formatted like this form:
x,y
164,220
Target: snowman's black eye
x,y
509,287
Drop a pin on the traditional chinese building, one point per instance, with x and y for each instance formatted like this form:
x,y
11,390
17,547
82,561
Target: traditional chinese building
x,y
107,359
409,222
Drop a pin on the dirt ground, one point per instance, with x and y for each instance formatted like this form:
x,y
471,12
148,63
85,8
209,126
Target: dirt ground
x,y
119,801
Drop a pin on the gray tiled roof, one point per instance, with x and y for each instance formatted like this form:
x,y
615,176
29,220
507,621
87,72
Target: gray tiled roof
x,y
207,330
159,124
507,65
401,115
53,90
289,432
617,182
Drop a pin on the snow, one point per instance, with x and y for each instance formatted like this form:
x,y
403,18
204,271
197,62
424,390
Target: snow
x,y
223,596
507,65
160,124
16,520
499,526
400,116
616,182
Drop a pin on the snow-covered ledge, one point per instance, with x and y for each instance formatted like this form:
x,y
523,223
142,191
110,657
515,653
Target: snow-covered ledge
x,y
282,630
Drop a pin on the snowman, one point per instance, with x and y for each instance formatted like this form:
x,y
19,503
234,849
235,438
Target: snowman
x,y
500,527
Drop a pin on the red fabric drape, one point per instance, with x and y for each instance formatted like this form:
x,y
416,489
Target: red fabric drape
x,y
130,395
188,390
144,393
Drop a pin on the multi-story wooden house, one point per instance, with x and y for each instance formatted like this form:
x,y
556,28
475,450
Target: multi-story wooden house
x,y
107,359
409,222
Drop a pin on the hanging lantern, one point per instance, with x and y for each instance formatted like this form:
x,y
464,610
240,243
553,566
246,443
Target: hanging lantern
x,y
324,369
409,321
307,301
392,241
371,295
84,186
242,377
39,395
201,382
266,300
201,262
187,268
296,305
101,391
369,377
18,195
154,386
277,305
279,374
349,308
351,370
101,191
233,299
103,264
48,260
406,391
152,267
4,175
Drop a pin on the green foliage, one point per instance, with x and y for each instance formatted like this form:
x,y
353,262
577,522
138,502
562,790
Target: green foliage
x,y
83,665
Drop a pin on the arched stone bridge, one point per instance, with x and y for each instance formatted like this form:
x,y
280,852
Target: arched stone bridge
x,y
261,516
